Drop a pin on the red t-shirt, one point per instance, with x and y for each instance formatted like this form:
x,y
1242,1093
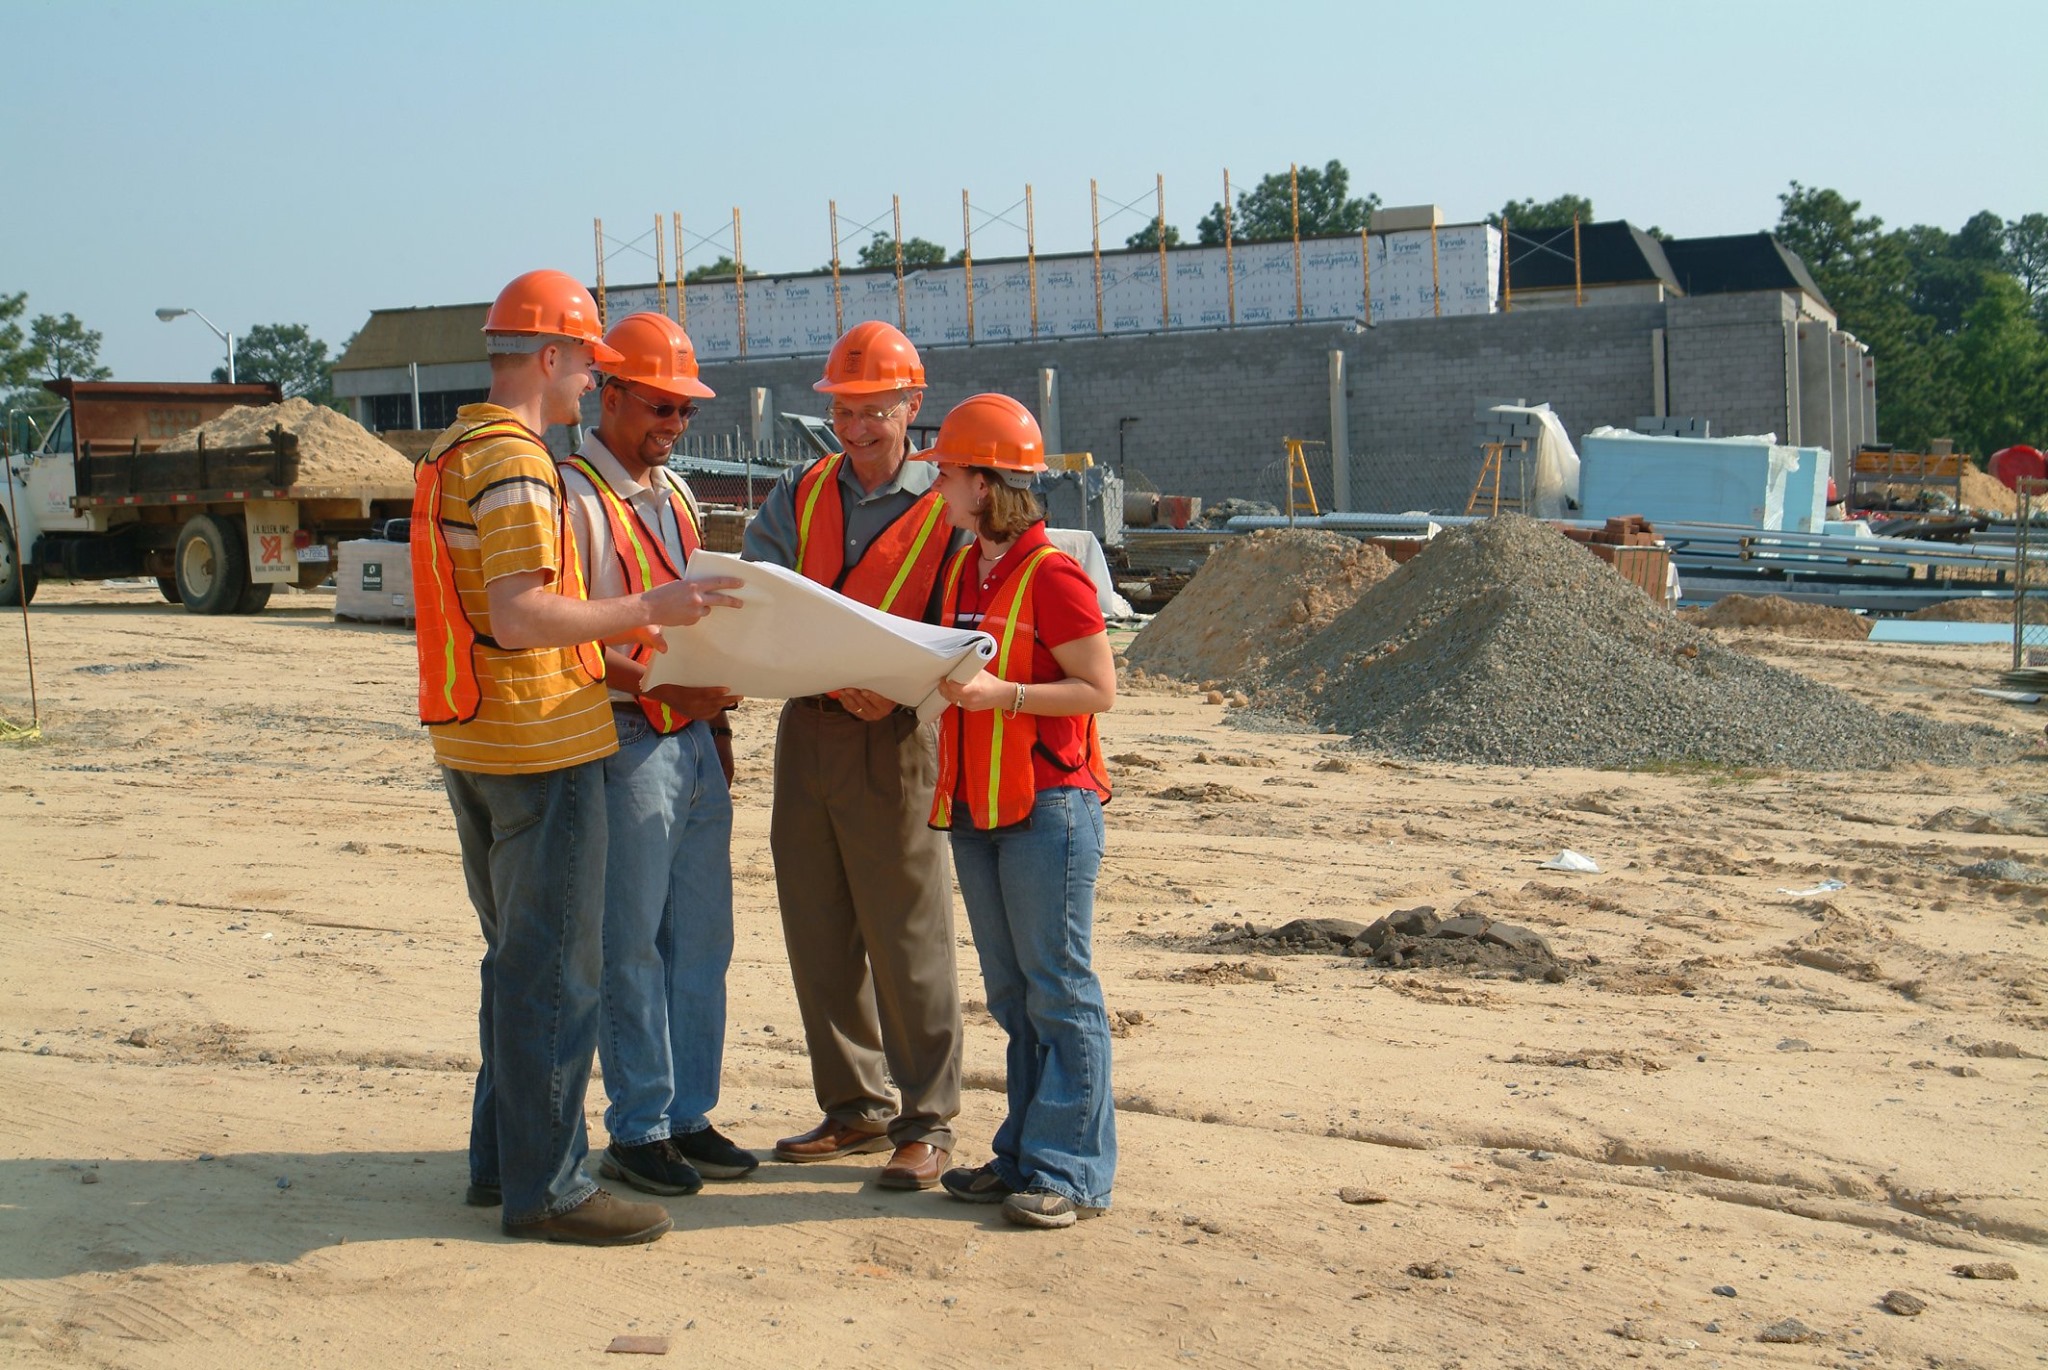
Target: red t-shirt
x,y
1065,609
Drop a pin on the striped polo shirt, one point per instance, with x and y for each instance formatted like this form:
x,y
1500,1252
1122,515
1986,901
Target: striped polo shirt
x,y
500,506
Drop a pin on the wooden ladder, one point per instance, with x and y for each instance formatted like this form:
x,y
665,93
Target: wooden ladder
x,y
1490,501
1300,489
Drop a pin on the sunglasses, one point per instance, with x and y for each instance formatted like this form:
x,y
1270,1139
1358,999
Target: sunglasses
x,y
665,411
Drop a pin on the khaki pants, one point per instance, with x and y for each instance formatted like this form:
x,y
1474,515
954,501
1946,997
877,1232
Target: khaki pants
x,y
867,912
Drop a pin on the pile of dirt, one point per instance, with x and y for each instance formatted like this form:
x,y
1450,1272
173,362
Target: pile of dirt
x,y
1777,614
333,448
1406,939
1503,642
1987,493
1255,597
1971,611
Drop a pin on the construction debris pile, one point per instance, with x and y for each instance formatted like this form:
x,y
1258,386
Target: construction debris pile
x,y
334,450
1787,617
1502,642
1255,597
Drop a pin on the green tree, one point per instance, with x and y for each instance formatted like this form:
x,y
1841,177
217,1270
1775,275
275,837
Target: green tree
x,y
1266,212
720,270
288,354
1148,236
17,362
1557,213
2002,369
2026,255
1867,276
880,253
62,346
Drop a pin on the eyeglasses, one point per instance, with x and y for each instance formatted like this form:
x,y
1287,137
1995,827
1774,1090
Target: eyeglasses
x,y
840,413
664,411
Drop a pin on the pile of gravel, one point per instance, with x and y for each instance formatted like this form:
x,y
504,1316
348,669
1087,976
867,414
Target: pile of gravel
x,y
1504,642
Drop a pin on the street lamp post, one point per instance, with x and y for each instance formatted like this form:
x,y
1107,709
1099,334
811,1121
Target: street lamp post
x,y
168,314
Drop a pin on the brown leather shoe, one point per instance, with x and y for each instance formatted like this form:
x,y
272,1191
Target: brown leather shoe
x,y
916,1165
828,1141
600,1220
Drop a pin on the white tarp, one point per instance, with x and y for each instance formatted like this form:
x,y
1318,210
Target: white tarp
x,y
792,315
1554,471
795,637
1080,544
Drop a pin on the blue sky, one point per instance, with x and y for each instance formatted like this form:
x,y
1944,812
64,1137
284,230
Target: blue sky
x,y
297,162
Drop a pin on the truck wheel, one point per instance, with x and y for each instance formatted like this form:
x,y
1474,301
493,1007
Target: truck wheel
x,y
213,564
167,586
254,597
17,582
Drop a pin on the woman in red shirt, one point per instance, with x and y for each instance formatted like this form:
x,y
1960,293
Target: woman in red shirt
x,y
1021,787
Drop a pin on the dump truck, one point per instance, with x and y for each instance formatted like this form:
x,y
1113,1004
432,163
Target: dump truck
x,y
220,528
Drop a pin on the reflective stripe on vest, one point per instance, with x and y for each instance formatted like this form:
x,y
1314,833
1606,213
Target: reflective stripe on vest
x,y
450,688
899,568
630,534
994,746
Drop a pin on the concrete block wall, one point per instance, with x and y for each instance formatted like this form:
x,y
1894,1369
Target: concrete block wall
x,y
1727,361
1415,385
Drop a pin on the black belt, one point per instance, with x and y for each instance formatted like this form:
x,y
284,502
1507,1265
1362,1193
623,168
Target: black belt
x,y
827,704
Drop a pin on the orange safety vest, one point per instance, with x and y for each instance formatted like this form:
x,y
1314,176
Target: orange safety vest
x,y
450,688
996,747
645,562
897,572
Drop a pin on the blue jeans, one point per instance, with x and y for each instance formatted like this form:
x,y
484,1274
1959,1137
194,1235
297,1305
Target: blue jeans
x,y
1030,896
533,856
667,930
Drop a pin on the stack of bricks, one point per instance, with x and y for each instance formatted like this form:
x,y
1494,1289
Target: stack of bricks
x,y
1668,427
1633,548
1504,428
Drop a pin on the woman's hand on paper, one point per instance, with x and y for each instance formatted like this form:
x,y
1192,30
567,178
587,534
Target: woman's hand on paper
x,y
980,691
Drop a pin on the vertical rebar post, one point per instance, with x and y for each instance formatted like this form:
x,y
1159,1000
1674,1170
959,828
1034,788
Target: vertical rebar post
x,y
902,307
1095,218
838,303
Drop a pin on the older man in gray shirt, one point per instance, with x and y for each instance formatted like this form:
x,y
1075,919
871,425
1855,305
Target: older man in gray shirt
x,y
865,885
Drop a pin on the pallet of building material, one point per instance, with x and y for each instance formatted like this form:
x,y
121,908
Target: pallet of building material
x,y
373,582
724,529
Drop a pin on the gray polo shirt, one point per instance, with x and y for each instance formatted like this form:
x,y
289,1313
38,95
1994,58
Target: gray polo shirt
x,y
772,535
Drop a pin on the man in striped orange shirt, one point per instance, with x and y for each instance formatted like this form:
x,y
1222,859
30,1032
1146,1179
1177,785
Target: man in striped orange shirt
x,y
511,686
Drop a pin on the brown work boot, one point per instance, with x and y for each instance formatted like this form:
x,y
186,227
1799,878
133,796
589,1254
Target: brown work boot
x,y
600,1220
916,1165
828,1141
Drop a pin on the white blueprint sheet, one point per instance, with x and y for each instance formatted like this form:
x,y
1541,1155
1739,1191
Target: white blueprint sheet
x,y
795,637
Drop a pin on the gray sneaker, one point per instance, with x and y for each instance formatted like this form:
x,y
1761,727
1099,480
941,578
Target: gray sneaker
x,y
652,1167
976,1184
1043,1208
715,1155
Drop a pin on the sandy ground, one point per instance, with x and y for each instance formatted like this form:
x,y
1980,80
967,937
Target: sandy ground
x,y
237,1024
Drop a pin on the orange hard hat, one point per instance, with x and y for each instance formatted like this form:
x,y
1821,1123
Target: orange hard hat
x,y
994,433
549,304
656,353
871,358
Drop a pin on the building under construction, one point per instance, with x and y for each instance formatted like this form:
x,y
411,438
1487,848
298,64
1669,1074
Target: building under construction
x,y
1185,368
